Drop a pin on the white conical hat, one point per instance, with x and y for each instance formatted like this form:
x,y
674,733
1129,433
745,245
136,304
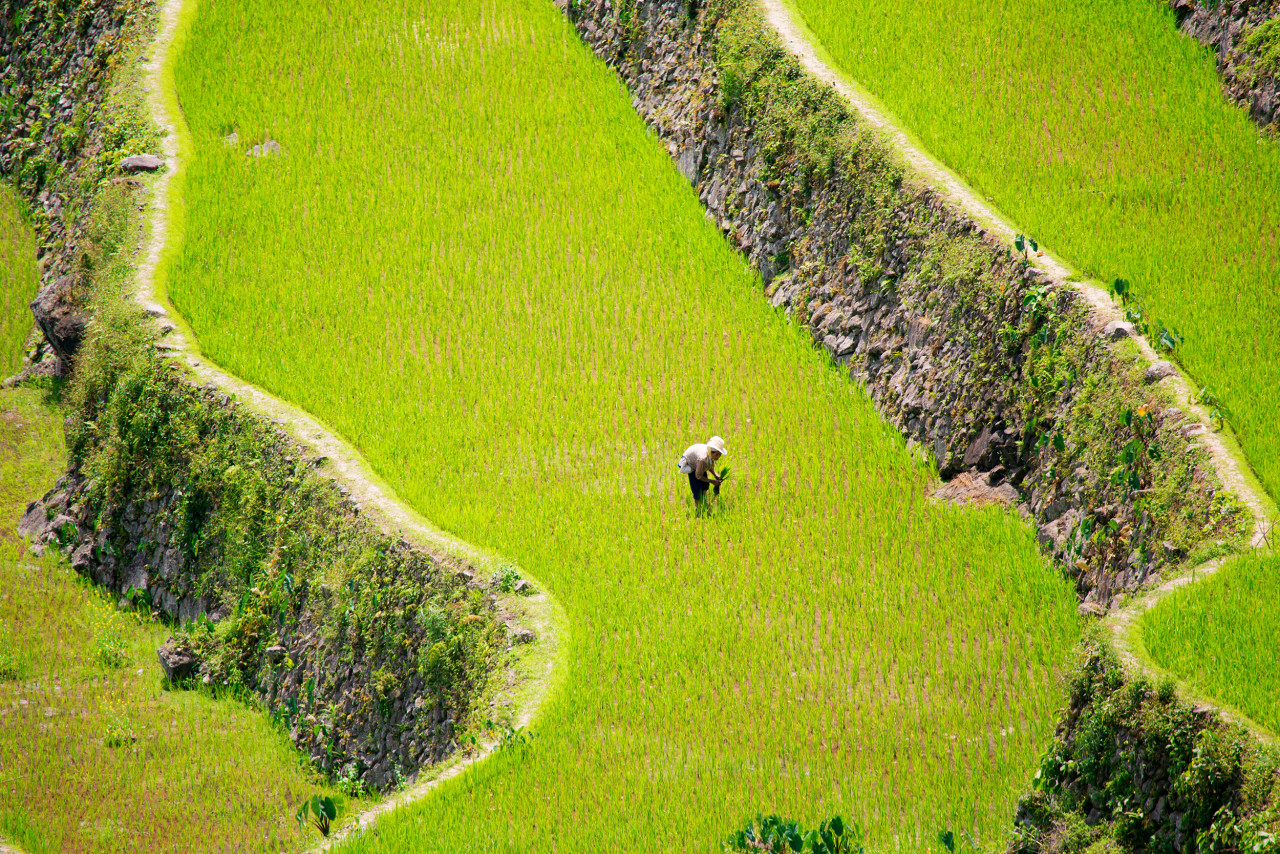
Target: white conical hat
x,y
717,444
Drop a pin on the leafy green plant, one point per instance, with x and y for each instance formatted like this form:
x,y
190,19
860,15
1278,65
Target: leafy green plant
x,y
1219,414
507,578
772,833
1133,468
321,811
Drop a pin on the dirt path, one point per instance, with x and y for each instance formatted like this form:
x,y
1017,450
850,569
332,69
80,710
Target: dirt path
x,y
540,666
1227,462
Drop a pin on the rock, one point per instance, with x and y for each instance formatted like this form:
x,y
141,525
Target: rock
x,y
1085,609
522,636
1117,330
523,587
60,320
978,447
141,163
266,149
690,164
231,138
275,654
32,521
1158,371
179,663
82,558
918,331
465,576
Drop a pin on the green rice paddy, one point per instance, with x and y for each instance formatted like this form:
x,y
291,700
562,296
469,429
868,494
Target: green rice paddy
x,y
18,280
1101,131
1221,636
473,261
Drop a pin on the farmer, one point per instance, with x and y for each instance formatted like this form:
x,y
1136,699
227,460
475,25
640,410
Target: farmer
x,y
699,462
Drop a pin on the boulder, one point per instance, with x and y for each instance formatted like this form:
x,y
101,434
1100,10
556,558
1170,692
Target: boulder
x,y
1158,371
33,521
275,653
60,320
1086,609
141,163
1117,330
179,663
978,447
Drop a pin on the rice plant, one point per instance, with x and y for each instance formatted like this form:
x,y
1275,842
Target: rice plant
x,y
1102,130
1222,637
466,253
18,280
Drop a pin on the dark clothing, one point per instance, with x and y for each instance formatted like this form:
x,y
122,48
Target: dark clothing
x,y
699,487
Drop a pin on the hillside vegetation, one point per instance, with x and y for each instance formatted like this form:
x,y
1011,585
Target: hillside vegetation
x,y
470,258
1102,131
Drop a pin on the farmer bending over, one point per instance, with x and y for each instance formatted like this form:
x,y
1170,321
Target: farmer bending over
x,y
699,462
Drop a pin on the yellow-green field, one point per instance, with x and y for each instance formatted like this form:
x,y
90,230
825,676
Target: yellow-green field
x,y
473,261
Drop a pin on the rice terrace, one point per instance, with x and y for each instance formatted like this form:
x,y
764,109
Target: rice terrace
x,y
639,425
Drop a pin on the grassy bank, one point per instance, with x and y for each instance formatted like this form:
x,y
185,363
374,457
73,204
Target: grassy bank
x,y
471,259
1100,130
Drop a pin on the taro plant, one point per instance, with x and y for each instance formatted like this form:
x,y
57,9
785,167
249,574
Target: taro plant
x,y
320,812
1134,462
775,834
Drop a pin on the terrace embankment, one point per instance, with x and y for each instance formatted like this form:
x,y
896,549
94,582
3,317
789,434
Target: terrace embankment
x,y
1135,768
373,651
58,145
1245,38
1020,390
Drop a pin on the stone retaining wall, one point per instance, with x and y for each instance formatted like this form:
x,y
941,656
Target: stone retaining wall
x,y
1003,377
1248,78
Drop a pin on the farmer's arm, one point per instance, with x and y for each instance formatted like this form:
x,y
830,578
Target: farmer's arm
x,y
703,468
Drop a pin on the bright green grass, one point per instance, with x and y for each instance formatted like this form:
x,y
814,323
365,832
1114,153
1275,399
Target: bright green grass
x,y
1101,131
1223,637
475,262
187,773
18,280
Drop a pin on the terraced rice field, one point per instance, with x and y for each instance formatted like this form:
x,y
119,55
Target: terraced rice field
x,y
1102,131
95,756
1221,636
471,259
18,280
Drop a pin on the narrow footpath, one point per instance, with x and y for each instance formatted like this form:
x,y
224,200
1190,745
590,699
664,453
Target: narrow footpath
x,y
1228,463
